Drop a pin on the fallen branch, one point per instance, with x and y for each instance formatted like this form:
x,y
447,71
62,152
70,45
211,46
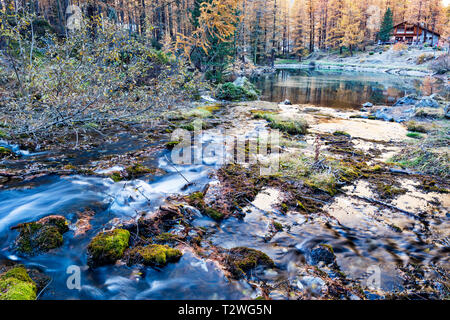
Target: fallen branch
x,y
389,206
170,162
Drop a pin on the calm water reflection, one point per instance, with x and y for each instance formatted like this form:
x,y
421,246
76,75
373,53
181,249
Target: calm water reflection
x,y
337,88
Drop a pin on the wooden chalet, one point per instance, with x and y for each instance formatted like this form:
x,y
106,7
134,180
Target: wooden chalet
x,y
409,32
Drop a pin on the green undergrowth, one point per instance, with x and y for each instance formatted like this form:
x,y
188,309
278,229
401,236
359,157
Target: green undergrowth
x,y
298,126
429,155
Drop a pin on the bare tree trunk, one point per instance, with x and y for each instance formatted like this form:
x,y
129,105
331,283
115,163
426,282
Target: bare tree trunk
x,y
272,57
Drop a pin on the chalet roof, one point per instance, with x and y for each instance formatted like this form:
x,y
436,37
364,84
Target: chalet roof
x,y
416,24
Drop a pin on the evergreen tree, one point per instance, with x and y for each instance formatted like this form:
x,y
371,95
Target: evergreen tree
x,y
386,26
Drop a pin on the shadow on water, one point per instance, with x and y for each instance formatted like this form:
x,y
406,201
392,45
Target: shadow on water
x,y
336,89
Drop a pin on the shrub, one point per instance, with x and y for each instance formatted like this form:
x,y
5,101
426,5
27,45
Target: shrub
x,y
442,64
399,46
299,126
416,127
231,92
424,58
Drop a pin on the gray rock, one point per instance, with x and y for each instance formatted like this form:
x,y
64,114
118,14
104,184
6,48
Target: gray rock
x,y
397,114
287,102
322,254
240,81
311,284
427,102
447,111
406,100
367,105
278,295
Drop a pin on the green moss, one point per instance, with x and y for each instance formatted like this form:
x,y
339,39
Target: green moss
x,y
3,134
375,168
416,127
430,185
341,133
48,237
155,255
5,151
388,191
284,207
213,213
298,126
166,237
41,236
171,144
137,170
195,125
414,135
196,196
241,260
196,199
108,247
278,226
16,284
116,176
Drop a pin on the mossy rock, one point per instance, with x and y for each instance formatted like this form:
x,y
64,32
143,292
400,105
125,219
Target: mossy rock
x,y
16,284
154,255
387,191
278,226
166,237
196,199
41,236
171,144
116,176
213,213
241,260
107,247
138,170
4,152
232,92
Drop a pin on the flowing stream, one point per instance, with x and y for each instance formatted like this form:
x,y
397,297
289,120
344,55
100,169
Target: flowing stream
x,y
361,234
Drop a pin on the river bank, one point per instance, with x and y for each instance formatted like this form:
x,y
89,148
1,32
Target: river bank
x,y
404,61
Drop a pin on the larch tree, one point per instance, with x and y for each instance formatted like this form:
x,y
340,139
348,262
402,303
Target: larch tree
x,y
351,26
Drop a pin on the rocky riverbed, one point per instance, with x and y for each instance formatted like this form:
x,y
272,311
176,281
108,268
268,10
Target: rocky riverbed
x,y
340,218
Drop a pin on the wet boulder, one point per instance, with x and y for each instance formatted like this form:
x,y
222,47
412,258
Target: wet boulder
x,y
287,102
241,260
42,235
367,105
154,255
323,253
16,284
107,247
